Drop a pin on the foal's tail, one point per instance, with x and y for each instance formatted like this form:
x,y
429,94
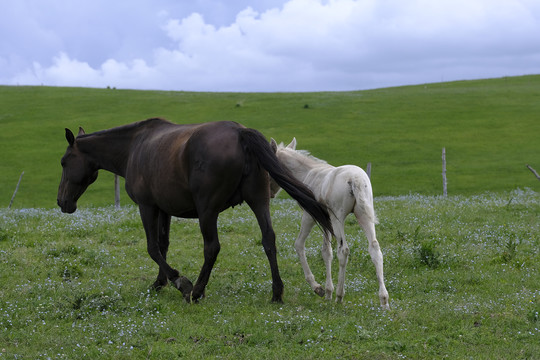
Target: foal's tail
x,y
254,142
363,193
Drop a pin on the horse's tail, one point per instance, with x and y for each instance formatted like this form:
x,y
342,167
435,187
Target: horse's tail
x,y
255,143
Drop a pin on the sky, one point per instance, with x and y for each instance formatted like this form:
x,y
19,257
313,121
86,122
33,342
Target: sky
x,y
265,45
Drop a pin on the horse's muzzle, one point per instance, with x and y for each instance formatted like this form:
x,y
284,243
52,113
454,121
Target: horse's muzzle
x,y
67,207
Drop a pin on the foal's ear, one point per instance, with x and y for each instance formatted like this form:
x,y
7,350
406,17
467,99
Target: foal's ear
x,y
292,145
273,144
69,137
81,131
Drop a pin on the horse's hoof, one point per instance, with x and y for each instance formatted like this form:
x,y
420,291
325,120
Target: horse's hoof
x,y
319,291
157,286
192,298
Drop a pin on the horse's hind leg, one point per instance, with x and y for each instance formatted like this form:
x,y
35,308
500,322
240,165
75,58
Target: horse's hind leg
x,y
262,213
208,226
300,246
376,256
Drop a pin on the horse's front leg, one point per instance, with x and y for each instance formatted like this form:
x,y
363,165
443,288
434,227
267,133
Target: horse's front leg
x,y
208,226
164,226
154,228
300,246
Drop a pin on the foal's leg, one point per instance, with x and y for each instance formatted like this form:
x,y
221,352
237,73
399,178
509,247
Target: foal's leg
x,y
300,246
376,255
327,256
343,256
151,223
208,225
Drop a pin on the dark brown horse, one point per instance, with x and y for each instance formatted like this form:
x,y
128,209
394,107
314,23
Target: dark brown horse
x,y
189,171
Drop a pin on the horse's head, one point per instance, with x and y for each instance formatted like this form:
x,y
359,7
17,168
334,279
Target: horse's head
x,y
78,172
274,187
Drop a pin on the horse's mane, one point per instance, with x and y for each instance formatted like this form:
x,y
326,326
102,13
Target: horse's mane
x,y
129,127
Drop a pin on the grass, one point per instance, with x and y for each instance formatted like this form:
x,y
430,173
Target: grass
x,y
489,128
462,273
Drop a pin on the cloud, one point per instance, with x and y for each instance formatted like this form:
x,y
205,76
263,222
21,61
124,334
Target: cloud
x,y
308,45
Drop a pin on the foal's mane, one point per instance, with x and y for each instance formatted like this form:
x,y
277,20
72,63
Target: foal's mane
x,y
304,154
307,154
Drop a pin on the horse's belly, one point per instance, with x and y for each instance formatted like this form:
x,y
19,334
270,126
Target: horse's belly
x,y
177,205
187,215
170,199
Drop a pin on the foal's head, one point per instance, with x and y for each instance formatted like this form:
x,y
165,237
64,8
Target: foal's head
x,y
78,172
278,149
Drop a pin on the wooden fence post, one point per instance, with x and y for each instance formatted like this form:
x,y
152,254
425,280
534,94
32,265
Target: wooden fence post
x,y
16,189
445,188
368,170
533,171
116,192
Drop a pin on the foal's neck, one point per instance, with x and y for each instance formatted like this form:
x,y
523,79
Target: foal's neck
x,y
300,165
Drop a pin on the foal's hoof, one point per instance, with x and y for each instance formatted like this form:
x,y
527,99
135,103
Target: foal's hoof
x,y
328,294
319,291
185,286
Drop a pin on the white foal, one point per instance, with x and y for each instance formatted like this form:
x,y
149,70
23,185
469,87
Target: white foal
x,y
344,190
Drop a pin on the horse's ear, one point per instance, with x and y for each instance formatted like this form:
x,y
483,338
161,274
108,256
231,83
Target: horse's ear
x,y
273,144
81,131
69,137
292,145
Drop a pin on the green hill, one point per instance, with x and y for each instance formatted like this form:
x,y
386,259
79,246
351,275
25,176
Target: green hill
x,y
490,129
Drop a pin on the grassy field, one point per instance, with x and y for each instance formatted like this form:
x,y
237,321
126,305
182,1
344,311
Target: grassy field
x,y
462,273
490,129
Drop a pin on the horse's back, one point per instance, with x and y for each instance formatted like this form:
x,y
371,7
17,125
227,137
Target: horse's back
x,y
217,139
177,148
182,167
